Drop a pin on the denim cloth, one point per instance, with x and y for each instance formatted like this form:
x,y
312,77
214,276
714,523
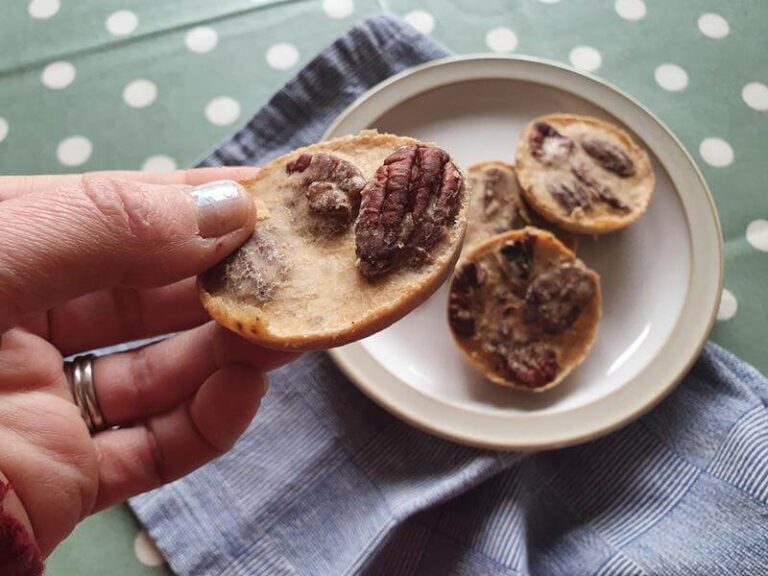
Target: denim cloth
x,y
326,483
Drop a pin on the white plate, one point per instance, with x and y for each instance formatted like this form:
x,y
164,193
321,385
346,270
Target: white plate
x,y
661,277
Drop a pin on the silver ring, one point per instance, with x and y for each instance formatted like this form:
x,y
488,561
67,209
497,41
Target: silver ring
x,y
79,372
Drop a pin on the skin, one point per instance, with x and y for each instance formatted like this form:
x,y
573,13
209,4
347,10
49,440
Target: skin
x,y
93,260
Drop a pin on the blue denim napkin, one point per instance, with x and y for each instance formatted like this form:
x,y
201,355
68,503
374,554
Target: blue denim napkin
x,y
326,483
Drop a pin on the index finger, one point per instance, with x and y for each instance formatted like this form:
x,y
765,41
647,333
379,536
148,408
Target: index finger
x,y
15,186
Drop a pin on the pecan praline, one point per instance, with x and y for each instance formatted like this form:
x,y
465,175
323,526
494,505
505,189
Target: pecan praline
x,y
333,185
406,209
609,156
556,298
548,145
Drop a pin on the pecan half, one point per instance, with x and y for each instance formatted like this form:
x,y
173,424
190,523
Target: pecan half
x,y
460,315
533,365
493,191
570,195
610,156
499,202
557,297
548,145
254,272
333,185
601,191
517,258
406,209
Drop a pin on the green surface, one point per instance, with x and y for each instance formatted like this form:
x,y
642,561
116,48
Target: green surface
x,y
104,545
711,104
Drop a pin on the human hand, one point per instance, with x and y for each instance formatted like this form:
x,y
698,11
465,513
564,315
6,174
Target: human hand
x,y
98,259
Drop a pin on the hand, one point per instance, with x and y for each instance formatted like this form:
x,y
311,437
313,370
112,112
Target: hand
x,y
93,260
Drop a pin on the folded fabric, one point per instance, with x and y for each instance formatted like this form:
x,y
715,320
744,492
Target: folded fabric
x,y
326,483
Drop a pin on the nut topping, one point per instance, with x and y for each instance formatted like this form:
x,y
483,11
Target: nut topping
x,y
548,145
556,298
460,313
570,195
500,204
601,191
609,156
532,365
406,209
492,191
519,256
332,184
516,263
255,271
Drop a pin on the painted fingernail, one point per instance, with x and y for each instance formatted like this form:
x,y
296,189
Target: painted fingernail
x,y
222,207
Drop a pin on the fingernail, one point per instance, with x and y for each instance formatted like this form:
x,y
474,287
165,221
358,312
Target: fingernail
x,y
222,207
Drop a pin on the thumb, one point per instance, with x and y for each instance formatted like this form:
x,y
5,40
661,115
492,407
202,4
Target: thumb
x,y
99,233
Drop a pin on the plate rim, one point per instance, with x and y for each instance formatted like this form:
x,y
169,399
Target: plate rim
x,y
341,356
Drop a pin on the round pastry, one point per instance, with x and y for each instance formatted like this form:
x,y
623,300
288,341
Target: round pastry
x,y
523,309
583,174
351,235
497,206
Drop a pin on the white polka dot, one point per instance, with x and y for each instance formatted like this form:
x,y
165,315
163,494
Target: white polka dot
x,y
757,234
549,1
222,111
423,21
42,9
282,56
716,152
3,128
728,305
140,93
146,551
58,75
714,26
201,39
338,8
122,23
159,163
501,40
74,151
671,77
630,9
585,58
755,95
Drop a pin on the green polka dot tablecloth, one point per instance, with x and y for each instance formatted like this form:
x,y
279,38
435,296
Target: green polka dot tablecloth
x,y
142,84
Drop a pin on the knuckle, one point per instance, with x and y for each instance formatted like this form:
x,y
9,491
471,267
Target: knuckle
x,y
157,463
141,376
126,209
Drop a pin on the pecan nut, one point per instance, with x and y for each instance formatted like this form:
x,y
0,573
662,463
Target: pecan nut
x,y
493,186
254,272
532,365
610,156
548,145
500,203
519,256
333,185
406,209
570,195
516,263
460,315
557,297
601,191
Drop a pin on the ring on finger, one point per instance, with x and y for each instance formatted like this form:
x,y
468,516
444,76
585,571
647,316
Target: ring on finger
x,y
79,372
